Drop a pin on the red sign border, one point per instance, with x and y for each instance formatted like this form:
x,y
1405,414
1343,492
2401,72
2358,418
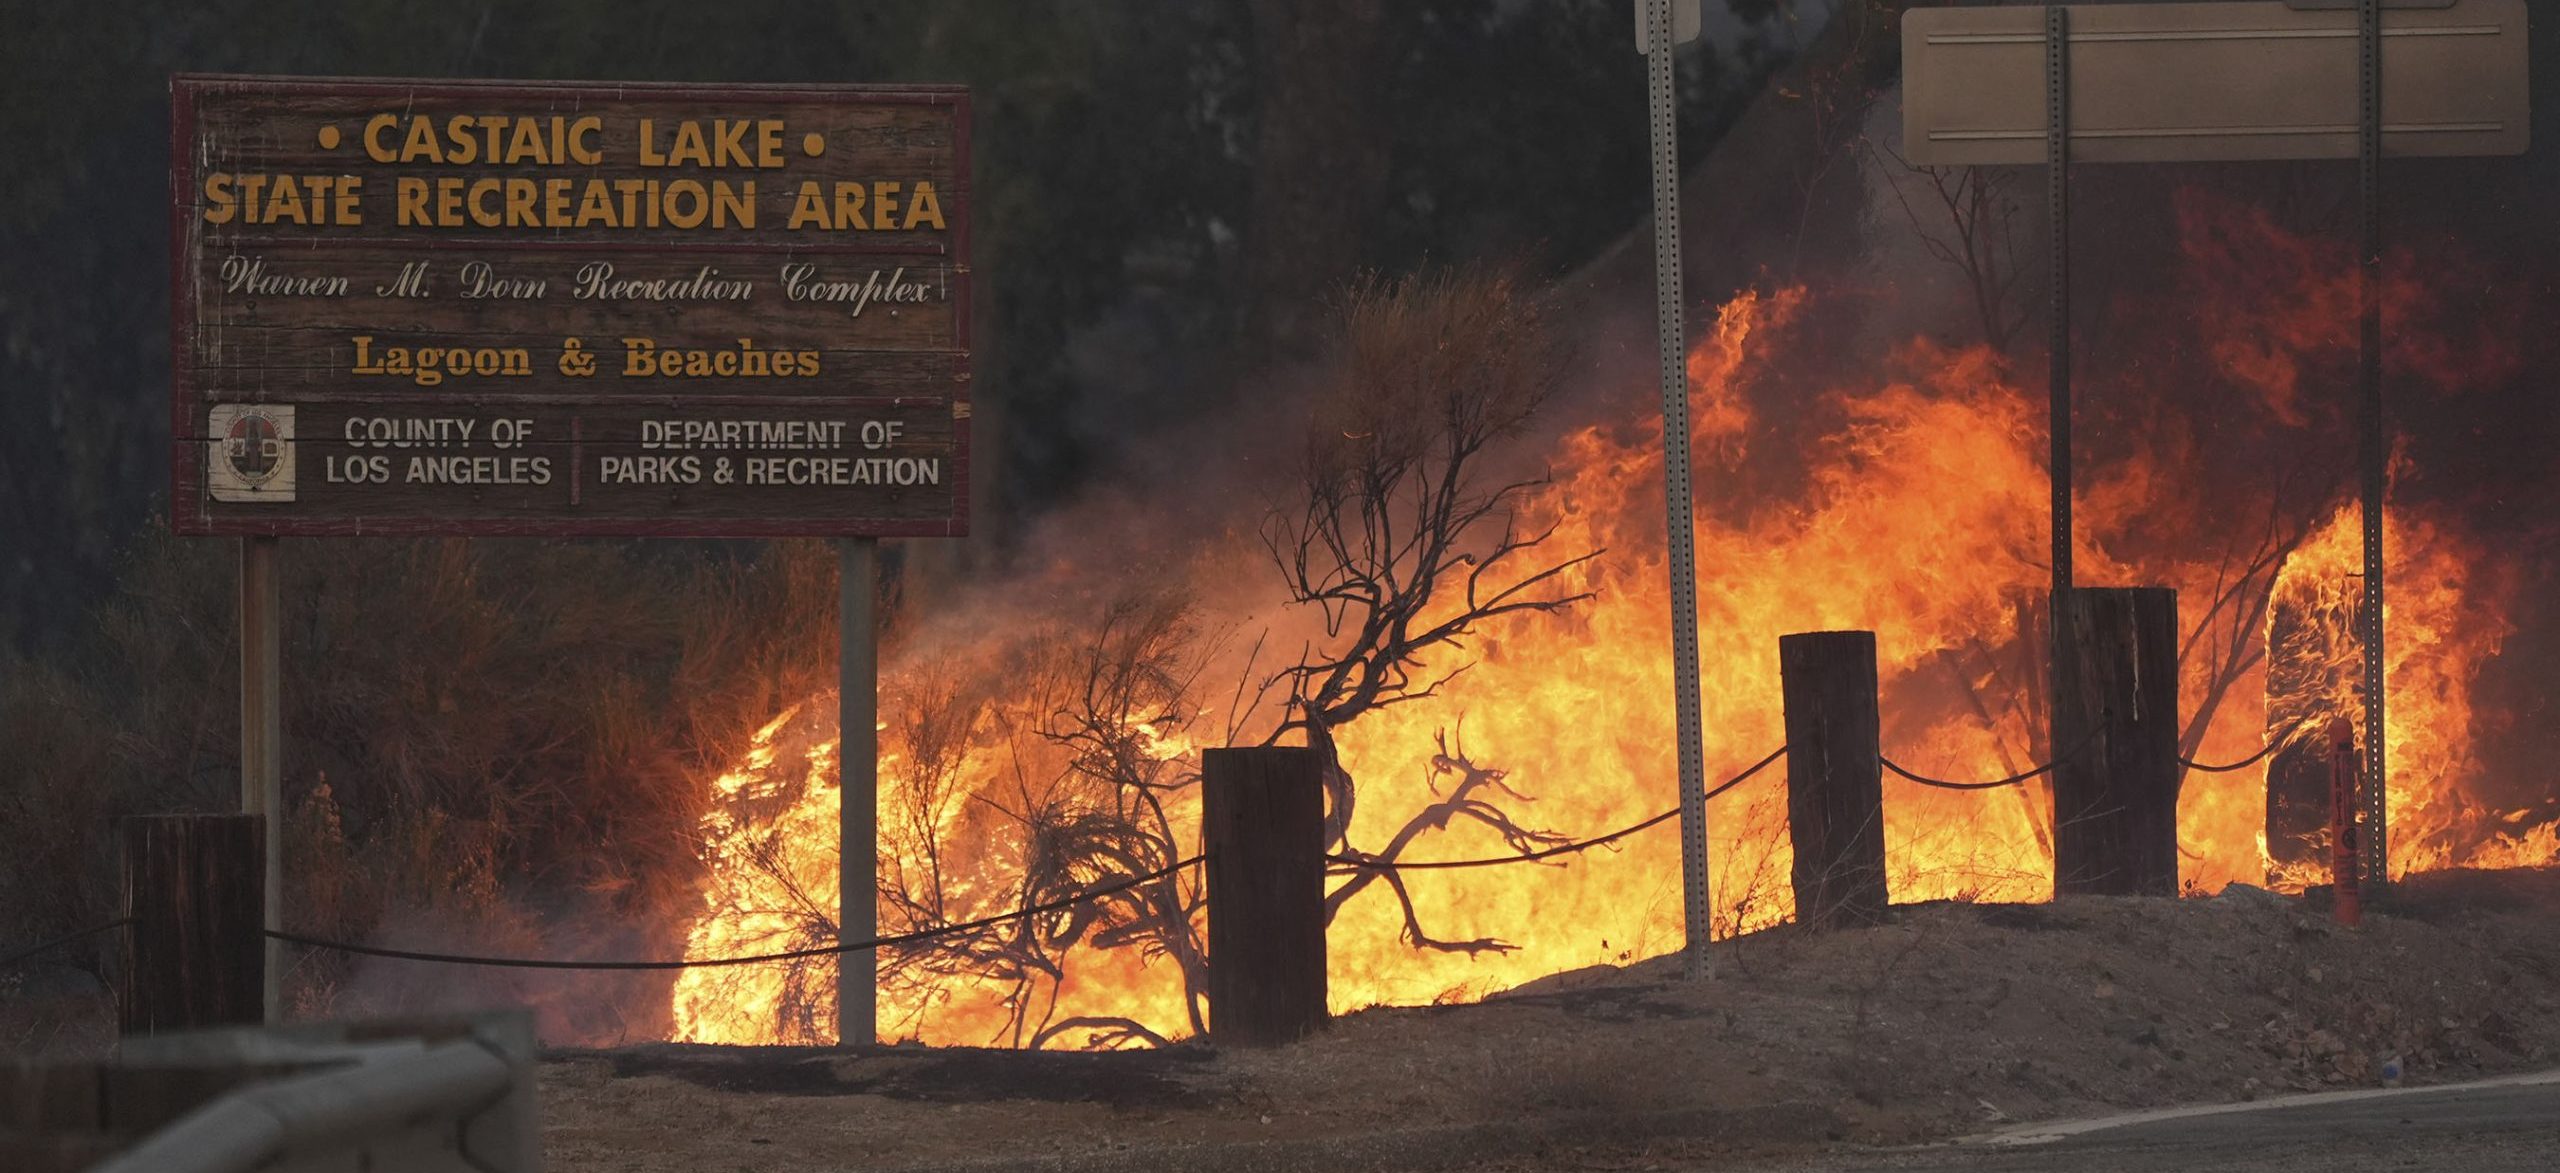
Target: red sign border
x,y
188,492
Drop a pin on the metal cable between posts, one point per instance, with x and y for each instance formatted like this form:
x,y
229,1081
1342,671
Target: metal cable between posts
x,y
1349,865
24,954
2011,780
2273,744
1346,865
714,962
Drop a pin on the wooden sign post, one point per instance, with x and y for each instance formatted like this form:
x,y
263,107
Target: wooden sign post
x,y
569,309
262,737
858,809
2259,79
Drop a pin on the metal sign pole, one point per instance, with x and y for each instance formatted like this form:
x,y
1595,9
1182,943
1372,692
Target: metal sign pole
x,y
2060,670
2370,442
2057,166
1672,333
858,774
262,735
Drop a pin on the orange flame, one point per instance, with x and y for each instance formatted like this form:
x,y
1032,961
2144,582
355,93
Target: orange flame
x,y
1921,517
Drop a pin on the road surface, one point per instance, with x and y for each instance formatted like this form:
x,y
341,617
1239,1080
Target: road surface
x,y
2503,1126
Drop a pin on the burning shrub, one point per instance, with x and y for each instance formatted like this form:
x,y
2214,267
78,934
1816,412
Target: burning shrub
x,y
1060,763
1064,759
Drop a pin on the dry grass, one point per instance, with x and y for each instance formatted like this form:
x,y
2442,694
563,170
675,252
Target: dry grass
x,y
485,742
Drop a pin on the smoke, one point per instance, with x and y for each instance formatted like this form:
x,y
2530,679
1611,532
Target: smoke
x,y
572,1008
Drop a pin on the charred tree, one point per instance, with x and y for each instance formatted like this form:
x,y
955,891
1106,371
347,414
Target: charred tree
x,y
1090,803
2115,711
1835,785
1135,686
1969,221
1404,542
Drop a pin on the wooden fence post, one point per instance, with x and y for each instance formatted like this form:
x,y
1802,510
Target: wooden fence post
x,y
1262,826
1835,785
195,952
2115,800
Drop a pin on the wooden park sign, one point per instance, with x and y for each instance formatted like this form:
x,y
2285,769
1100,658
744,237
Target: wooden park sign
x,y
569,309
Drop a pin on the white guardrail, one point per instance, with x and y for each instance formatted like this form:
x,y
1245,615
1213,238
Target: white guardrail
x,y
443,1096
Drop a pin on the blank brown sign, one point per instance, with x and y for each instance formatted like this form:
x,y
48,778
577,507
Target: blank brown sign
x,y
2155,83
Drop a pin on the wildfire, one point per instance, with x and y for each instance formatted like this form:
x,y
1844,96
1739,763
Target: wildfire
x,y
1917,513
771,826
2439,637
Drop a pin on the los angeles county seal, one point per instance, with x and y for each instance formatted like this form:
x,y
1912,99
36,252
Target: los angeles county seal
x,y
251,452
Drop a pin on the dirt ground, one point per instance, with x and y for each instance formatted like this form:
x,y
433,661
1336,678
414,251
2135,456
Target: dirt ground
x,y
1949,1019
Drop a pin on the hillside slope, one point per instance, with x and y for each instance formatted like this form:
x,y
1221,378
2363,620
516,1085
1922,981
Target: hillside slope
x,y
1949,1019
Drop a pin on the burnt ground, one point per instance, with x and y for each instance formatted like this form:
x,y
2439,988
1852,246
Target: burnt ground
x,y
1949,1019
1125,1080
